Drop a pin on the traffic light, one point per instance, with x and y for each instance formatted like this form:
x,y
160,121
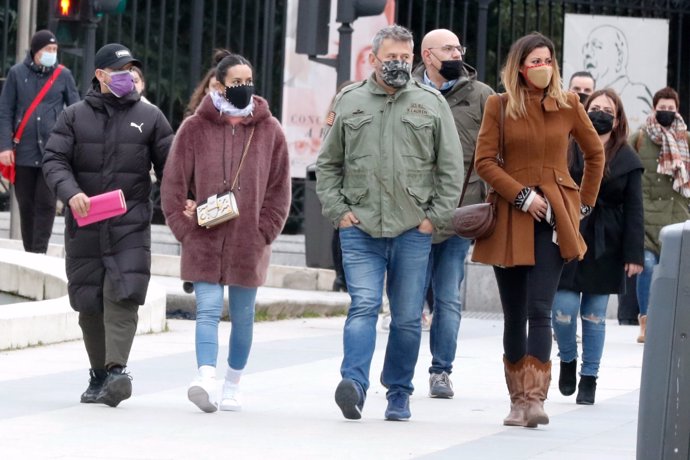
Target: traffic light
x,y
312,27
68,10
349,10
77,10
101,7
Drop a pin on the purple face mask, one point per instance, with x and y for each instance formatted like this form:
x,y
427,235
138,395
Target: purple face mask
x,y
121,83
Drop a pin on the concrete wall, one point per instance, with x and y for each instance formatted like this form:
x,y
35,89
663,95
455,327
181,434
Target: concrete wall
x,y
49,318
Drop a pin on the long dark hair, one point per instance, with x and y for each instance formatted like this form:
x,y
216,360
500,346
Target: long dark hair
x,y
619,134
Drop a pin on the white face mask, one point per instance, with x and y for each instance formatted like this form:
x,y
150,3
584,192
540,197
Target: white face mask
x,y
47,59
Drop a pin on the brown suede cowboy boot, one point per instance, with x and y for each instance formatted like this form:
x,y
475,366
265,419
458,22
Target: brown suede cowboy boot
x,y
536,384
515,381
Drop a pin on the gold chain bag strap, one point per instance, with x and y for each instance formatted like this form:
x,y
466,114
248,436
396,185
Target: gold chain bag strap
x,y
477,221
220,208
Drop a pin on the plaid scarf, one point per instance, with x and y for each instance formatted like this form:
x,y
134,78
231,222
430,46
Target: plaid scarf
x,y
674,156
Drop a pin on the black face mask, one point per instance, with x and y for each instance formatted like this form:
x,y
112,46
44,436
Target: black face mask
x,y
451,69
665,117
583,97
602,121
240,96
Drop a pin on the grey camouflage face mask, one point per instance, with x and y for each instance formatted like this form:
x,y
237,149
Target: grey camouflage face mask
x,y
395,73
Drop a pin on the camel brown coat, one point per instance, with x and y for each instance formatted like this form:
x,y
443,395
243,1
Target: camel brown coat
x,y
535,155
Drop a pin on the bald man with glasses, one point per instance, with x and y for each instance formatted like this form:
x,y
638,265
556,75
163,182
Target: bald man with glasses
x,y
444,69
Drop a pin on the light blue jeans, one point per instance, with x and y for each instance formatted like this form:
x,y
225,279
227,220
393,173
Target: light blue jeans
x,y
366,260
592,310
209,306
445,273
644,280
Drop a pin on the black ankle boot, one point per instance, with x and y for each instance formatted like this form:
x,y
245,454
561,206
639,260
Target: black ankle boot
x,y
586,390
567,379
116,388
96,379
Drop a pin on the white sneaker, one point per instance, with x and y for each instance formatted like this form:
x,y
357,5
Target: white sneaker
x,y
232,397
202,390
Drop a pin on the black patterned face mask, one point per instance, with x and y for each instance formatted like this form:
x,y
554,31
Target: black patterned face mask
x,y
395,73
240,95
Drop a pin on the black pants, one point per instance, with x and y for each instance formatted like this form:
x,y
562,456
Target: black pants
x,y
527,294
36,208
109,334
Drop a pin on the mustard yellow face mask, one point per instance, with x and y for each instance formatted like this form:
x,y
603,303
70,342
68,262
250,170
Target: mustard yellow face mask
x,y
539,75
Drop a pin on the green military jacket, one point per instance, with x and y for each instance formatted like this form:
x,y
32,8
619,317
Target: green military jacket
x,y
662,205
392,160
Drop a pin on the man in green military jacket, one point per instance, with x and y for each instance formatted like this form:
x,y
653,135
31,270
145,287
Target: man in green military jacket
x,y
389,174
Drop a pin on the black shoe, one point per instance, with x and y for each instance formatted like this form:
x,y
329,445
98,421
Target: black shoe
x,y
116,388
567,380
586,390
628,322
349,396
96,379
339,285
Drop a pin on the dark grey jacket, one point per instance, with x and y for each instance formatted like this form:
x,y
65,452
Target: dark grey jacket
x,y
24,81
101,144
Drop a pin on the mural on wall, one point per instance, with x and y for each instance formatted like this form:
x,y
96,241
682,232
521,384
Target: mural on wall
x,y
309,87
627,54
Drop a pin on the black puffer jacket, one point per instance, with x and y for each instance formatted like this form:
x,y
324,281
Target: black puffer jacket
x,y
24,82
101,144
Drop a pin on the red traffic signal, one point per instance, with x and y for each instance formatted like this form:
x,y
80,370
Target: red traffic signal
x,y
68,9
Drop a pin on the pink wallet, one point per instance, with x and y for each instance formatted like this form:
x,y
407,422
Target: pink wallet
x,y
103,206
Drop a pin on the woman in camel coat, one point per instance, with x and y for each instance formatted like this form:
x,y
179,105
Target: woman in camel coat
x,y
538,206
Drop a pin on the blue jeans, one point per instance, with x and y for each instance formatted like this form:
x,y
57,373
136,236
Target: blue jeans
x,y
366,260
209,306
592,310
445,273
644,280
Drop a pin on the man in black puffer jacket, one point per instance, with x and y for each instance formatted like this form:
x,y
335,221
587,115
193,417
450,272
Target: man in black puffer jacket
x,y
108,142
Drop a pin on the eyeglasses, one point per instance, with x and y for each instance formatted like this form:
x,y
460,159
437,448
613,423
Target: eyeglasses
x,y
449,49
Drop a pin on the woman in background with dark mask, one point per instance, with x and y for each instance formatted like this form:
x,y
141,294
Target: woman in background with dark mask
x,y
662,144
231,143
614,234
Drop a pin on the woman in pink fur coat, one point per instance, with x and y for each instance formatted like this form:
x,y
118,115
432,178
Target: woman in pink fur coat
x,y
204,161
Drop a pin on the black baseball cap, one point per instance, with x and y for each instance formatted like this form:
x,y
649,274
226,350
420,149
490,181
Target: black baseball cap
x,y
114,56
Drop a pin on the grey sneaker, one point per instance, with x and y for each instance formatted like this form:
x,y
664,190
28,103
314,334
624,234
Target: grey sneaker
x,y
440,386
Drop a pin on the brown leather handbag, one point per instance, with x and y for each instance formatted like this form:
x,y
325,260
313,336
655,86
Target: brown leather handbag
x,y
477,221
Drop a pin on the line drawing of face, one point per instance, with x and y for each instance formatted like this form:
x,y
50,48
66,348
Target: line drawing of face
x,y
605,54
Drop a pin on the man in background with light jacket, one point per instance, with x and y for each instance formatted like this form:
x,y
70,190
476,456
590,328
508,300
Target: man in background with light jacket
x,y
443,68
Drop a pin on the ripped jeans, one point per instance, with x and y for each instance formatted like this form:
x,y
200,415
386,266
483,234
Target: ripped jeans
x,y
592,310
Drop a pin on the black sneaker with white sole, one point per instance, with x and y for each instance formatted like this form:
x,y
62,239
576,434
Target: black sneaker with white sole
x,y
349,396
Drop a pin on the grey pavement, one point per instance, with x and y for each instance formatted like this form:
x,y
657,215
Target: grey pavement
x,y
289,410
